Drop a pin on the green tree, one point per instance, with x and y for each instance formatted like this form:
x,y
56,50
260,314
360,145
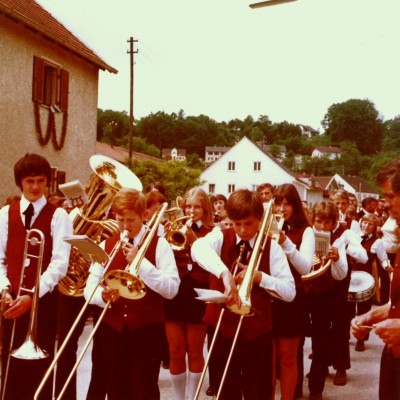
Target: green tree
x,y
357,121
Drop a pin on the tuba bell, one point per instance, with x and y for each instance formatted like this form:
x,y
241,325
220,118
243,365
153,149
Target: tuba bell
x,y
109,176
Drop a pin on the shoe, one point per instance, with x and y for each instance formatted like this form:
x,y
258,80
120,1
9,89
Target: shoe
x,y
211,391
165,365
340,378
360,345
316,396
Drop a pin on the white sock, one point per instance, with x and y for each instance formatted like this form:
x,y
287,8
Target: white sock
x,y
178,386
194,379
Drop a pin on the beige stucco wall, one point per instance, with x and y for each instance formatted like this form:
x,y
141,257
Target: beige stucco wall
x,y
18,45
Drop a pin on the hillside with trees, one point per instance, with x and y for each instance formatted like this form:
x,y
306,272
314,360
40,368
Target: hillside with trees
x,y
366,141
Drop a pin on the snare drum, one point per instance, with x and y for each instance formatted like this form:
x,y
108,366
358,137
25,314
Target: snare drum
x,y
362,286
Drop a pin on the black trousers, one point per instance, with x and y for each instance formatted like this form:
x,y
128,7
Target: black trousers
x,y
322,310
250,371
24,376
389,377
131,361
69,308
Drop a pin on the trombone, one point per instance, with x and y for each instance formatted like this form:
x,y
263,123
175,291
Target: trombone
x,y
244,294
29,350
128,283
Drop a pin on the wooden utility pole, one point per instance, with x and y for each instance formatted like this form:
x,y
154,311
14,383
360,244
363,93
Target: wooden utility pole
x,y
131,117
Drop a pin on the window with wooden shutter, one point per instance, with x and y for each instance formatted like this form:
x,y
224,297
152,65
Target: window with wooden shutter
x,y
50,84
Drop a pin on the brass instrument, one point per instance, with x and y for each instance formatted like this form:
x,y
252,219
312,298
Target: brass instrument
x,y
108,178
176,233
244,294
129,287
29,350
321,262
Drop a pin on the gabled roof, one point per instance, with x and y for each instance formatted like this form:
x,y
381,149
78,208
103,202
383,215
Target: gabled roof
x,y
309,128
221,149
327,149
359,184
39,20
122,155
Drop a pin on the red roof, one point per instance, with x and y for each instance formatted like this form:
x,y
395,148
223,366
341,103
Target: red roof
x,y
36,17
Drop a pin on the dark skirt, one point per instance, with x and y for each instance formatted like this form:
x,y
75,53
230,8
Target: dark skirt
x,y
291,320
184,307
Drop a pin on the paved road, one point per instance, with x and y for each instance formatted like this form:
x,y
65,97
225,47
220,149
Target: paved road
x,y
362,377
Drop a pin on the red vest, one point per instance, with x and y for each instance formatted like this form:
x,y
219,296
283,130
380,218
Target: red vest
x,y
254,325
16,244
296,236
394,311
183,260
134,313
367,267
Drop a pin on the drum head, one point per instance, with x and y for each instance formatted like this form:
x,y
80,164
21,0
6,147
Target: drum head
x,y
362,286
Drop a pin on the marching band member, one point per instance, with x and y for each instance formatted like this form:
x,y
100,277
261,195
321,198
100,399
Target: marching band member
x,y
185,330
131,332
340,330
218,202
250,372
385,320
32,174
290,320
376,252
324,216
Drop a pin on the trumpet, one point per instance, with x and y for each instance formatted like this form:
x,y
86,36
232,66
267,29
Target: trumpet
x,y
176,234
29,350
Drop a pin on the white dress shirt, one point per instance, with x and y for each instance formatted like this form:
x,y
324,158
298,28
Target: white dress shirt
x,y
206,252
61,225
301,259
163,278
390,238
379,249
352,243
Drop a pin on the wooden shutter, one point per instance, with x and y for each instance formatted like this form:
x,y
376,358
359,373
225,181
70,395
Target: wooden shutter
x,y
38,77
64,87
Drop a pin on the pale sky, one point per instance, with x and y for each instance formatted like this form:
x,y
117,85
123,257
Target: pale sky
x,y
222,59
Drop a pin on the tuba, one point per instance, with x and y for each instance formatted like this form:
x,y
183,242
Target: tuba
x,y
109,176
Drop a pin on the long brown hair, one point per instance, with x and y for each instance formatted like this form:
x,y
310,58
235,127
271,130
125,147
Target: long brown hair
x,y
289,192
208,216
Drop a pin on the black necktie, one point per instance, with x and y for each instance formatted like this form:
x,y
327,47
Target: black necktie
x,y
364,239
195,227
28,216
131,240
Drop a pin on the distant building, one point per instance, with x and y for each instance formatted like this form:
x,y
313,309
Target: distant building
x,y
247,165
282,150
213,153
308,131
174,154
328,151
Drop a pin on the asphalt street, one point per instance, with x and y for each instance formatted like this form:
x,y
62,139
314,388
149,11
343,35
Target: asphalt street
x,y
362,381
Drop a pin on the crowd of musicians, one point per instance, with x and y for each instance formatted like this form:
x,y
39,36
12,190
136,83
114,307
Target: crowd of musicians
x,y
294,294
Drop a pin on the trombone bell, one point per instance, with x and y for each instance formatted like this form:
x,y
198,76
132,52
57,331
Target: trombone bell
x,y
129,286
29,351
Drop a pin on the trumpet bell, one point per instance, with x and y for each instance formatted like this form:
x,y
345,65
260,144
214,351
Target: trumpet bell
x,y
129,286
29,351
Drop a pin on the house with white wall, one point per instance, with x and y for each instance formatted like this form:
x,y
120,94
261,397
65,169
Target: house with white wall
x,y
174,154
246,166
213,153
331,152
308,131
49,93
